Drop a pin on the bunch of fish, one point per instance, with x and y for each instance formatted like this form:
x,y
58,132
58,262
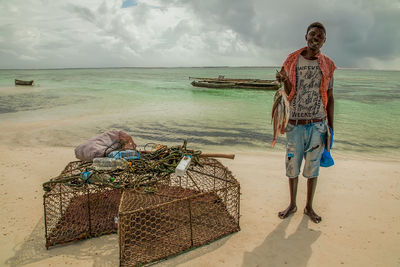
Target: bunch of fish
x,y
280,113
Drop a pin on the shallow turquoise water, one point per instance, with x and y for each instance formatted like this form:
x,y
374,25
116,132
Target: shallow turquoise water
x,y
160,105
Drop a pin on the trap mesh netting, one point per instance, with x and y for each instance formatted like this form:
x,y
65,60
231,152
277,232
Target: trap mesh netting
x,y
178,213
73,213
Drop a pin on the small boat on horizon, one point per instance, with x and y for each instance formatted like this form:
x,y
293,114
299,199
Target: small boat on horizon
x,y
222,82
21,82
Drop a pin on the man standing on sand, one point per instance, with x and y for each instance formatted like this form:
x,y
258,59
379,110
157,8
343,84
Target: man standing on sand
x,y
307,75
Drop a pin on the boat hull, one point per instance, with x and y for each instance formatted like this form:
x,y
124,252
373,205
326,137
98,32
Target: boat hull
x,y
236,84
21,82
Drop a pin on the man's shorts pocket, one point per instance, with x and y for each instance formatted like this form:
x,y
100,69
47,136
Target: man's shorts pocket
x,y
321,127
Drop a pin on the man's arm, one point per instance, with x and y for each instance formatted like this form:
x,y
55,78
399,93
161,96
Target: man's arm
x,y
330,107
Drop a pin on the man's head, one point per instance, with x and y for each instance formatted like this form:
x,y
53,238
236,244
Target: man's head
x,y
317,25
315,35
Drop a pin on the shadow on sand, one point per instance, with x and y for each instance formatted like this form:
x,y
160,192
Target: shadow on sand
x,y
102,251
281,250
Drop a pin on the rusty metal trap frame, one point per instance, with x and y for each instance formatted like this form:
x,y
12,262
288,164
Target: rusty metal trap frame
x,y
179,214
184,212
74,213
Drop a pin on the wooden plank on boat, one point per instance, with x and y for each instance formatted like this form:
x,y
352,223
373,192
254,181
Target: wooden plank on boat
x,y
212,85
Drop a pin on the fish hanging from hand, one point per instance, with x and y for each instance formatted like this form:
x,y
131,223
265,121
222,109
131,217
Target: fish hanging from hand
x,y
280,113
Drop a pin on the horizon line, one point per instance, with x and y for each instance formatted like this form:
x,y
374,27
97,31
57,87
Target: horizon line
x,y
181,67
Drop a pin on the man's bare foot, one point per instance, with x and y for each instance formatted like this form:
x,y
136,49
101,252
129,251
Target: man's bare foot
x,y
313,216
285,213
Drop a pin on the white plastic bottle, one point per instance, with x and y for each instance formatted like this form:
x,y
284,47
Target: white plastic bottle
x,y
183,165
109,164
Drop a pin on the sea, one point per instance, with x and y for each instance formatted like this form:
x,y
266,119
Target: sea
x,y
65,107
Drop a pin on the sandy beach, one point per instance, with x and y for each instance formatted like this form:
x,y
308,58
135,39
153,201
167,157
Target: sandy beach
x,y
198,74
358,200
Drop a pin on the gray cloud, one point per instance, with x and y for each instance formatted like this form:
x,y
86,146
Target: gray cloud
x,y
356,29
82,12
194,33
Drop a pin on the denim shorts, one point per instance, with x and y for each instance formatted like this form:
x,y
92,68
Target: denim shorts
x,y
308,142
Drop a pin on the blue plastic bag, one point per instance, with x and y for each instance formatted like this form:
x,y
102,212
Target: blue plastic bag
x,y
326,159
125,154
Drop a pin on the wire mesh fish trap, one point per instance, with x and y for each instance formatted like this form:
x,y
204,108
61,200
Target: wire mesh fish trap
x,y
183,212
175,214
74,213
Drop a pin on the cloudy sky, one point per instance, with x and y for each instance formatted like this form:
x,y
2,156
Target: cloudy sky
x,y
185,33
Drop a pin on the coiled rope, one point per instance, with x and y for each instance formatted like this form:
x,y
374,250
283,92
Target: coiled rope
x,y
152,167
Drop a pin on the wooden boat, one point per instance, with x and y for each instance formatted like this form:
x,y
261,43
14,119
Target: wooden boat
x,y
222,82
21,82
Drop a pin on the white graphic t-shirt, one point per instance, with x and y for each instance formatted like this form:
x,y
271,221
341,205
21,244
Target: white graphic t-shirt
x,y
307,102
